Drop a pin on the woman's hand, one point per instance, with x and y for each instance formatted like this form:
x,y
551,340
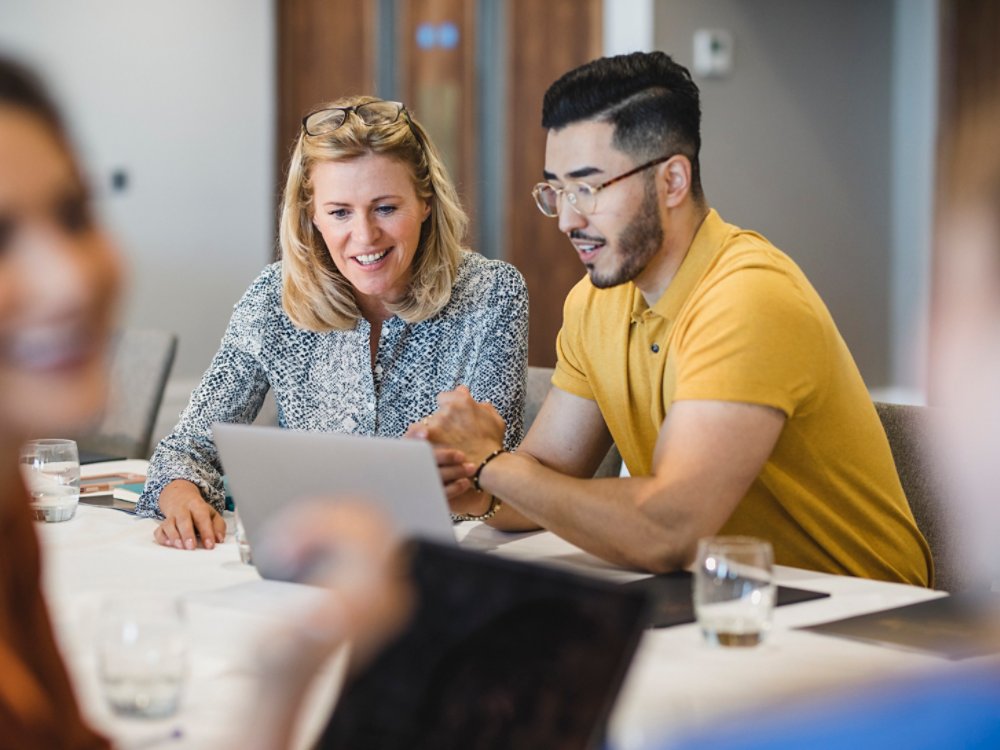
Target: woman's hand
x,y
350,550
188,518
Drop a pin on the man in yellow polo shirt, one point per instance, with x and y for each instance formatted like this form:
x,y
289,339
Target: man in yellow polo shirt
x,y
698,347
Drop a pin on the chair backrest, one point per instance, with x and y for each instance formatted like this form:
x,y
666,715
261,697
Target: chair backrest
x,y
140,365
910,430
539,382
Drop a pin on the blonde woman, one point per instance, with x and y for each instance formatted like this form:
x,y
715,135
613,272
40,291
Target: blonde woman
x,y
373,310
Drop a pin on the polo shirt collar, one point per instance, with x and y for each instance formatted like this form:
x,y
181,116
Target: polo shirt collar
x,y
704,247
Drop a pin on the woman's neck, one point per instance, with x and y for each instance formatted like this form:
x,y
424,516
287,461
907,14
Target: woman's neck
x,y
374,311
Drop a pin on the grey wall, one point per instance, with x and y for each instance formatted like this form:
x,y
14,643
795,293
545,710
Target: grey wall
x,y
797,144
181,96
915,104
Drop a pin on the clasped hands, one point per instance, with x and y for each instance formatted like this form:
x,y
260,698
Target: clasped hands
x,y
463,432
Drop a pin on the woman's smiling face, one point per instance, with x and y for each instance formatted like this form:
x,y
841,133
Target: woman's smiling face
x,y
369,214
59,281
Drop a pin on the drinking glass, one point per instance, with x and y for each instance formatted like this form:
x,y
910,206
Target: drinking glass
x,y
51,469
142,655
242,542
734,590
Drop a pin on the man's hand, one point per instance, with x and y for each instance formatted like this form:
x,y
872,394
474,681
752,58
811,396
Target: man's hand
x,y
454,470
463,432
188,518
464,424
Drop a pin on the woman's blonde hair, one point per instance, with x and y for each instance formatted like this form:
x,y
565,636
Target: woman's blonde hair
x,y
315,295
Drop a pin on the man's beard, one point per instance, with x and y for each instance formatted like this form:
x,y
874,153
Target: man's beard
x,y
638,242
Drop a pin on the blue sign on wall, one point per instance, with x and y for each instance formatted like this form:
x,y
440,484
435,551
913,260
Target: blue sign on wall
x,y
444,35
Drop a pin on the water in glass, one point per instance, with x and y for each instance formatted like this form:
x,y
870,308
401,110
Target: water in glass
x,y
142,656
734,590
51,470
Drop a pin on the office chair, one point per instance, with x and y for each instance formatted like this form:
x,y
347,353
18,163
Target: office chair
x,y
539,382
910,430
140,365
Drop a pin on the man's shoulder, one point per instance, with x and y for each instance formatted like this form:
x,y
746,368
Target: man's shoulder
x,y
748,249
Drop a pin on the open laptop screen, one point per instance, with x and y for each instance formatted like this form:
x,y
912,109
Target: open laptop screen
x,y
498,654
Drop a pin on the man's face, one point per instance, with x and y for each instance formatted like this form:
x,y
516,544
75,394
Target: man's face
x,y
617,240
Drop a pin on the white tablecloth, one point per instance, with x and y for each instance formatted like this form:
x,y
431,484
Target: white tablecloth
x,y
676,682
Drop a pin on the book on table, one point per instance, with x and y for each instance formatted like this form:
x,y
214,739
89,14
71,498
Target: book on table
x,y
118,490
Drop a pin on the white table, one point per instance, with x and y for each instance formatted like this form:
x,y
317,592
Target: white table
x,y
676,682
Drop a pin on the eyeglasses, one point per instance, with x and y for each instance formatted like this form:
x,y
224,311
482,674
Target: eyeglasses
x,y
581,197
325,121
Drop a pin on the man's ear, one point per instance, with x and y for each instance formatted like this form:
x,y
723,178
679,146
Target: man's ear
x,y
675,174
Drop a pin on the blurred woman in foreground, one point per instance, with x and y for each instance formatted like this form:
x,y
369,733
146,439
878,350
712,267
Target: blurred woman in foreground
x,y
59,280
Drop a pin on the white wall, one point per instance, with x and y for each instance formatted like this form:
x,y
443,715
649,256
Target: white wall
x,y
180,95
628,26
823,138
797,144
914,139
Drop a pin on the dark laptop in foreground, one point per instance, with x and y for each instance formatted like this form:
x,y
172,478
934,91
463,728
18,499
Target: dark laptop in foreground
x,y
498,654
270,469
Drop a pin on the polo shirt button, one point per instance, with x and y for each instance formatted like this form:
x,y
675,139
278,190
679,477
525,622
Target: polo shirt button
x,y
655,348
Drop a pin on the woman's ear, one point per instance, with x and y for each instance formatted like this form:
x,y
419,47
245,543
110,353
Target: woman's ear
x,y
427,209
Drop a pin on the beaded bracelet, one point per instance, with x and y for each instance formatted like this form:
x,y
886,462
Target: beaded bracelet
x,y
475,477
495,505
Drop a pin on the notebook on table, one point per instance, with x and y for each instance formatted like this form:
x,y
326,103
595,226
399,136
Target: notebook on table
x,y
672,603
269,469
498,654
958,626
115,490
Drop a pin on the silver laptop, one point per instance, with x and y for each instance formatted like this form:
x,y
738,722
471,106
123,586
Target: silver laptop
x,y
270,468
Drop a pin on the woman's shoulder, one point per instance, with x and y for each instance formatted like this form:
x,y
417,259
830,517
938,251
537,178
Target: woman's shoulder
x,y
266,287
262,299
480,275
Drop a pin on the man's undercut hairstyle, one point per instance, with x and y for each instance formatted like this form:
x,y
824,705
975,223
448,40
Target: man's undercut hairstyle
x,y
649,99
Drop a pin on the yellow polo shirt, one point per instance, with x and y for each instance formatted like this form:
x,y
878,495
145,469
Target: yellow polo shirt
x,y
740,322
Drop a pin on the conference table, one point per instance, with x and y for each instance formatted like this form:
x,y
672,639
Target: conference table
x,y
676,683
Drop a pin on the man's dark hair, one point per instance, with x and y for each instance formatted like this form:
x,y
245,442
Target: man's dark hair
x,y
649,99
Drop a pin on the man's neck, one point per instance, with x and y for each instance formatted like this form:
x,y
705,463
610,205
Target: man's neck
x,y
680,226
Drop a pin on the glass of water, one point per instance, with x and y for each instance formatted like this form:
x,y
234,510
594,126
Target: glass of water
x,y
242,541
734,590
51,469
142,655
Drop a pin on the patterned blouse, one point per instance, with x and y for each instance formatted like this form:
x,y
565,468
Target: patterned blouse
x,y
325,381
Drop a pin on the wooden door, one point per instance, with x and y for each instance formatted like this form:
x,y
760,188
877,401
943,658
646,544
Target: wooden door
x,y
326,49
545,40
436,75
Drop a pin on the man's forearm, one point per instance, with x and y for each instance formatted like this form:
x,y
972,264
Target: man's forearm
x,y
606,517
